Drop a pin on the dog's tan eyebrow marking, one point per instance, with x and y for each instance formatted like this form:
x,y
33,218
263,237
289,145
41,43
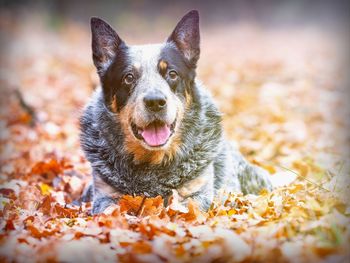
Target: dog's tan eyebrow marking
x,y
137,65
163,65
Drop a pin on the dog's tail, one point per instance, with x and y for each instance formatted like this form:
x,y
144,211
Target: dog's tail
x,y
252,178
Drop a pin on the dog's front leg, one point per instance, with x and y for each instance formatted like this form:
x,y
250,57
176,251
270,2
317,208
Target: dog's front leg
x,y
104,195
200,189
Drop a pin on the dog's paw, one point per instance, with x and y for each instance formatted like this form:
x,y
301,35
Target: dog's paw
x,y
100,204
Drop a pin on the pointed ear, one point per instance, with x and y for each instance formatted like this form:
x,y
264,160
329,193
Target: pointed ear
x,y
105,42
186,36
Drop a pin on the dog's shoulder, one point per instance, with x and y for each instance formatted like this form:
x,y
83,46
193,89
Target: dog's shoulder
x,y
202,129
93,108
95,123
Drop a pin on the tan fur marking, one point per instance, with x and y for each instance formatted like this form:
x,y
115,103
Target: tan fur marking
x,y
137,65
188,98
163,65
102,188
153,157
114,106
196,184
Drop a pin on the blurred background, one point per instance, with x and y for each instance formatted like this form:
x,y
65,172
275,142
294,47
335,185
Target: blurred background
x,y
144,20
151,13
277,69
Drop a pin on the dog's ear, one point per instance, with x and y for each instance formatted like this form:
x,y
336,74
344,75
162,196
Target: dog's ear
x,y
105,43
186,36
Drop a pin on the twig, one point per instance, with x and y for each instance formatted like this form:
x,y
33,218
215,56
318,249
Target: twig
x,y
26,107
338,173
141,205
306,179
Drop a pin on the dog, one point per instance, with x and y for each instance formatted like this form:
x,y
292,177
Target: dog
x,y
152,128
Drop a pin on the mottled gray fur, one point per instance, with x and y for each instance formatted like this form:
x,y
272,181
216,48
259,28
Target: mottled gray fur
x,y
203,146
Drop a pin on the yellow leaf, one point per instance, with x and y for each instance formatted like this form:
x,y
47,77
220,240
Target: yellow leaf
x,y
45,189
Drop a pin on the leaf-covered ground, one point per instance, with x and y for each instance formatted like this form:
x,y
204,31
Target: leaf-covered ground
x,y
283,93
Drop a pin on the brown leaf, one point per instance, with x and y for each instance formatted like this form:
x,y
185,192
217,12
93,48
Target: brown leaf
x,y
45,206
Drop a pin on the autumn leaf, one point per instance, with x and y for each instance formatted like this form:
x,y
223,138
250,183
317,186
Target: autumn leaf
x,y
6,192
141,247
141,205
9,225
45,206
51,167
65,212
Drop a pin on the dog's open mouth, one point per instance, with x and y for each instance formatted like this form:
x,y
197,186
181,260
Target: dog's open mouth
x,y
155,134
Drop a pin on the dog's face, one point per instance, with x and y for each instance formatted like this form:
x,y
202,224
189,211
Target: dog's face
x,y
148,87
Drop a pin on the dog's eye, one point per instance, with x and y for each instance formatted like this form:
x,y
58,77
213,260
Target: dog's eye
x,y
172,74
129,79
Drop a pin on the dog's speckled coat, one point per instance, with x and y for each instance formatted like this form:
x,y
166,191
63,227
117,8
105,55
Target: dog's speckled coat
x,y
204,161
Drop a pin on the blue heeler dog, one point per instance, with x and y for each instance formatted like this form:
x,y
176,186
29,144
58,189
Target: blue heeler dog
x,y
152,128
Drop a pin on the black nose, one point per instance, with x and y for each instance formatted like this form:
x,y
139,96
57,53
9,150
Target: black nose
x,y
155,102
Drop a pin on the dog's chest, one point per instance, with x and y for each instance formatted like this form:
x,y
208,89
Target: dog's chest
x,y
132,179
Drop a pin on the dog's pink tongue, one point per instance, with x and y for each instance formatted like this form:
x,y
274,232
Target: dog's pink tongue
x,y
156,135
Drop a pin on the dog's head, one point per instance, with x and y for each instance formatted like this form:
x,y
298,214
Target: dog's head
x,y
148,87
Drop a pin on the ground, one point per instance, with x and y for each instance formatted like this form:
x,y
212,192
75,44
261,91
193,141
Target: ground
x,y
283,95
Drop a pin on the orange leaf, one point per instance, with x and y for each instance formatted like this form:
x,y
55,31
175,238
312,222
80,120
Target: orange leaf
x,y
34,231
29,220
141,247
140,205
52,166
38,234
65,212
193,212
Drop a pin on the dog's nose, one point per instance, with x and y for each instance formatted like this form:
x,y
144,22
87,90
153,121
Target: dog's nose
x,y
155,102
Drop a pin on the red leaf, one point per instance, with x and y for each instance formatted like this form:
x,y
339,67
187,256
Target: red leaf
x,y
22,240
9,225
7,192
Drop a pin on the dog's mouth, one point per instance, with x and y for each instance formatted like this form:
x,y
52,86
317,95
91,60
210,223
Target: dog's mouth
x,y
155,134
